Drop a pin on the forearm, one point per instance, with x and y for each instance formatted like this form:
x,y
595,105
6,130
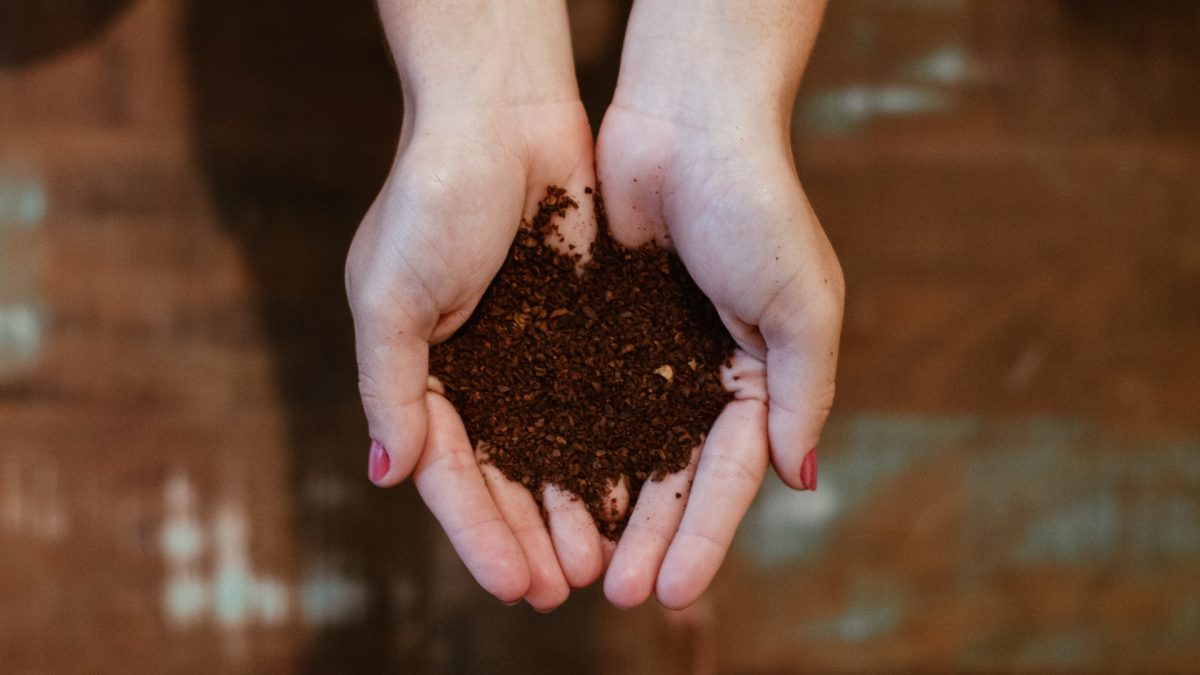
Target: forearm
x,y
709,61
469,53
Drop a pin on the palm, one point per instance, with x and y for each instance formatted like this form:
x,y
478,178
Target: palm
x,y
733,209
422,258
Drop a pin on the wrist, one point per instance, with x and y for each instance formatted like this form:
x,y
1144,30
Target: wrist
x,y
715,63
519,137
480,53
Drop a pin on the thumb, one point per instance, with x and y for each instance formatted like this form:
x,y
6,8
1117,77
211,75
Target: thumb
x,y
801,327
391,343
393,368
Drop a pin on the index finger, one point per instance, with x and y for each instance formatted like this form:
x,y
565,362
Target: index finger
x,y
732,463
452,486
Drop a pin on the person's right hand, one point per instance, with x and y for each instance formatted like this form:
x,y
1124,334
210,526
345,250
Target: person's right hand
x,y
483,136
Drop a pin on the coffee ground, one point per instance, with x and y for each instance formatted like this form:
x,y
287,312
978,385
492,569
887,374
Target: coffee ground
x,y
579,379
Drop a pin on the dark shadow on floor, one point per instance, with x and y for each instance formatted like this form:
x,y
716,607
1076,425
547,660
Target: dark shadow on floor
x,y
74,22
297,112
296,119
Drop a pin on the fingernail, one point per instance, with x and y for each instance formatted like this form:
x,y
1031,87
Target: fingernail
x,y
808,471
378,463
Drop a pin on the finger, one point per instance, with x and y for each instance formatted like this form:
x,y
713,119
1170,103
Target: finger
x,y
616,502
575,228
392,371
634,196
572,169
745,376
449,482
614,505
608,548
730,472
801,328
575,537
654,521
548,586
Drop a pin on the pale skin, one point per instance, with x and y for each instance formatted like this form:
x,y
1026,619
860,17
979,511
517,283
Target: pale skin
x,y
695,153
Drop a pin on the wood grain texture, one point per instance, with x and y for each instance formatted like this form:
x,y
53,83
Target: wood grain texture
x,y
1008,481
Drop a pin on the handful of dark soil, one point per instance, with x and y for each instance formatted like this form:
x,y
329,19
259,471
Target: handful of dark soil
x,y
578,380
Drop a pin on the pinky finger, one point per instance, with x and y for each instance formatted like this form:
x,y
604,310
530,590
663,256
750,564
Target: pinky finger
x,y
731,469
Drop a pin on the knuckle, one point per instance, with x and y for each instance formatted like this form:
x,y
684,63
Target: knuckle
x,y
450,463
726,469
371,391
823,401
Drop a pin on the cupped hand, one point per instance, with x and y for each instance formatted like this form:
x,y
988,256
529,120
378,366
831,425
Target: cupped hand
x,y
722,190
427,249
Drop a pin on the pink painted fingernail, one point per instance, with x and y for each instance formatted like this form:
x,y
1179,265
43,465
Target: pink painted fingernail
x,y
808,471
378,463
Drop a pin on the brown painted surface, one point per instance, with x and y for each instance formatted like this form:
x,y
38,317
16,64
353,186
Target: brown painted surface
x,y
1010,480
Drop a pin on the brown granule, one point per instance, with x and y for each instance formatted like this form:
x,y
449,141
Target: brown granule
x,y
578,379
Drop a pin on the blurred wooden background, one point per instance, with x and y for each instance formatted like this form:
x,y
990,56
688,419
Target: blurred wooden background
x,y
1011,479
